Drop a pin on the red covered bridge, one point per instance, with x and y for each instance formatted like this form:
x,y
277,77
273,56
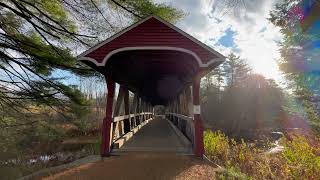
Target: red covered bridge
x,y
161,65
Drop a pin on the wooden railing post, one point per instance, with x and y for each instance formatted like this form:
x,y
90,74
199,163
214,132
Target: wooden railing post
x,y
138,110
143,110
106,137
117,128
198,146
127,122
134,109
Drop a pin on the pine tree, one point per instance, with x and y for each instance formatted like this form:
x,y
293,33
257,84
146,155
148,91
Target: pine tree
x,y
40,38
300,51
236,70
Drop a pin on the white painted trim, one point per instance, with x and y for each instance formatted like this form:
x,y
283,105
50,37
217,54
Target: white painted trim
x,y
89,59
196,109
152,48
196,57
220,56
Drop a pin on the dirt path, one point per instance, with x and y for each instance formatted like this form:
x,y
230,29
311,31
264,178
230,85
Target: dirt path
x,y
138,166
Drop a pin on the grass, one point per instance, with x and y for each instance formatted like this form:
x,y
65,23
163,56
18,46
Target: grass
x,y
43,140
243,160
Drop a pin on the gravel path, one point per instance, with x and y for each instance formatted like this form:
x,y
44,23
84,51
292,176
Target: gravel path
x,y
139,166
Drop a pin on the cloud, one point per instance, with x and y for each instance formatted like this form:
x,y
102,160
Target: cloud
x,y
254,38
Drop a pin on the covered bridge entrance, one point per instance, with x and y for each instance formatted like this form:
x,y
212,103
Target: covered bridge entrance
x,y
161,65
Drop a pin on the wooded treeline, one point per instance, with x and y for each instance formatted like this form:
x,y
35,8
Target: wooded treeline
x,y
237,101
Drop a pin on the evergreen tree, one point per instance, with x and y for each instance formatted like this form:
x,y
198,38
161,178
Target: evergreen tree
x,y
236,70
39,38
299,50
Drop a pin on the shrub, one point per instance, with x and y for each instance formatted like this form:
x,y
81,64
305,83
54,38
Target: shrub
x,y
233,173
216,145
43,133
299,160
302,159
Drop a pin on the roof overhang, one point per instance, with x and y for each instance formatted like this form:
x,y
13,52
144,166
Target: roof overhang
x,y
153,58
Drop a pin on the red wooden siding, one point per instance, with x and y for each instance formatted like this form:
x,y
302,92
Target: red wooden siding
x,y
152,32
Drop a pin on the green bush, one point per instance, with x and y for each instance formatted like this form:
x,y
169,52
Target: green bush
x,y
233,173
43,133
216,145
299,159
302,159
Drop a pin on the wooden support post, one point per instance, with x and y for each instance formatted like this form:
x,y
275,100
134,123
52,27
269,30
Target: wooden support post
x,y
150,110
133,110
184,102
179,104
176,120
107,121
189,112
189,101
117,128
143,109
126,122
138,118
198,146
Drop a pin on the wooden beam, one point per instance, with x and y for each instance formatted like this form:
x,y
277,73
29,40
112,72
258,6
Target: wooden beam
x,y
123,117
127,122
198,146
138,110
126,101
189,100
119,101
133,110
106,137
181,116
117,128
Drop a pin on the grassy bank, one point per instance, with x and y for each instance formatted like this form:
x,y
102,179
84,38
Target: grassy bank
x,y
242,160
42,147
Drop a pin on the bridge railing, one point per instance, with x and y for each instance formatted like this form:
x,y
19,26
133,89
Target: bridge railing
x,y
183,123
126,123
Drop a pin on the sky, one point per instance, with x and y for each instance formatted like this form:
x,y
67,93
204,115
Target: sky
x,y
244,31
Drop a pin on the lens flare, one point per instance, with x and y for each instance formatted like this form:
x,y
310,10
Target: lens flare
x,y
302,59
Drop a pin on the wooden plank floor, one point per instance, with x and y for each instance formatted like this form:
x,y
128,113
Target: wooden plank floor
x,y
156,136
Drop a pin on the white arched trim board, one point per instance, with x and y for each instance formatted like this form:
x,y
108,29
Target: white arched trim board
x,y
196,57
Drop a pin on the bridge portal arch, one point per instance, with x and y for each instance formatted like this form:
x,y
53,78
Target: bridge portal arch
x,y
161,65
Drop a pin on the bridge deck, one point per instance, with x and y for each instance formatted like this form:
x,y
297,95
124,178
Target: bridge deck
x,y
157,136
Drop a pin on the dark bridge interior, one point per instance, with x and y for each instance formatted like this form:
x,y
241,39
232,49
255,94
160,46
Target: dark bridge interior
x,y
158,76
